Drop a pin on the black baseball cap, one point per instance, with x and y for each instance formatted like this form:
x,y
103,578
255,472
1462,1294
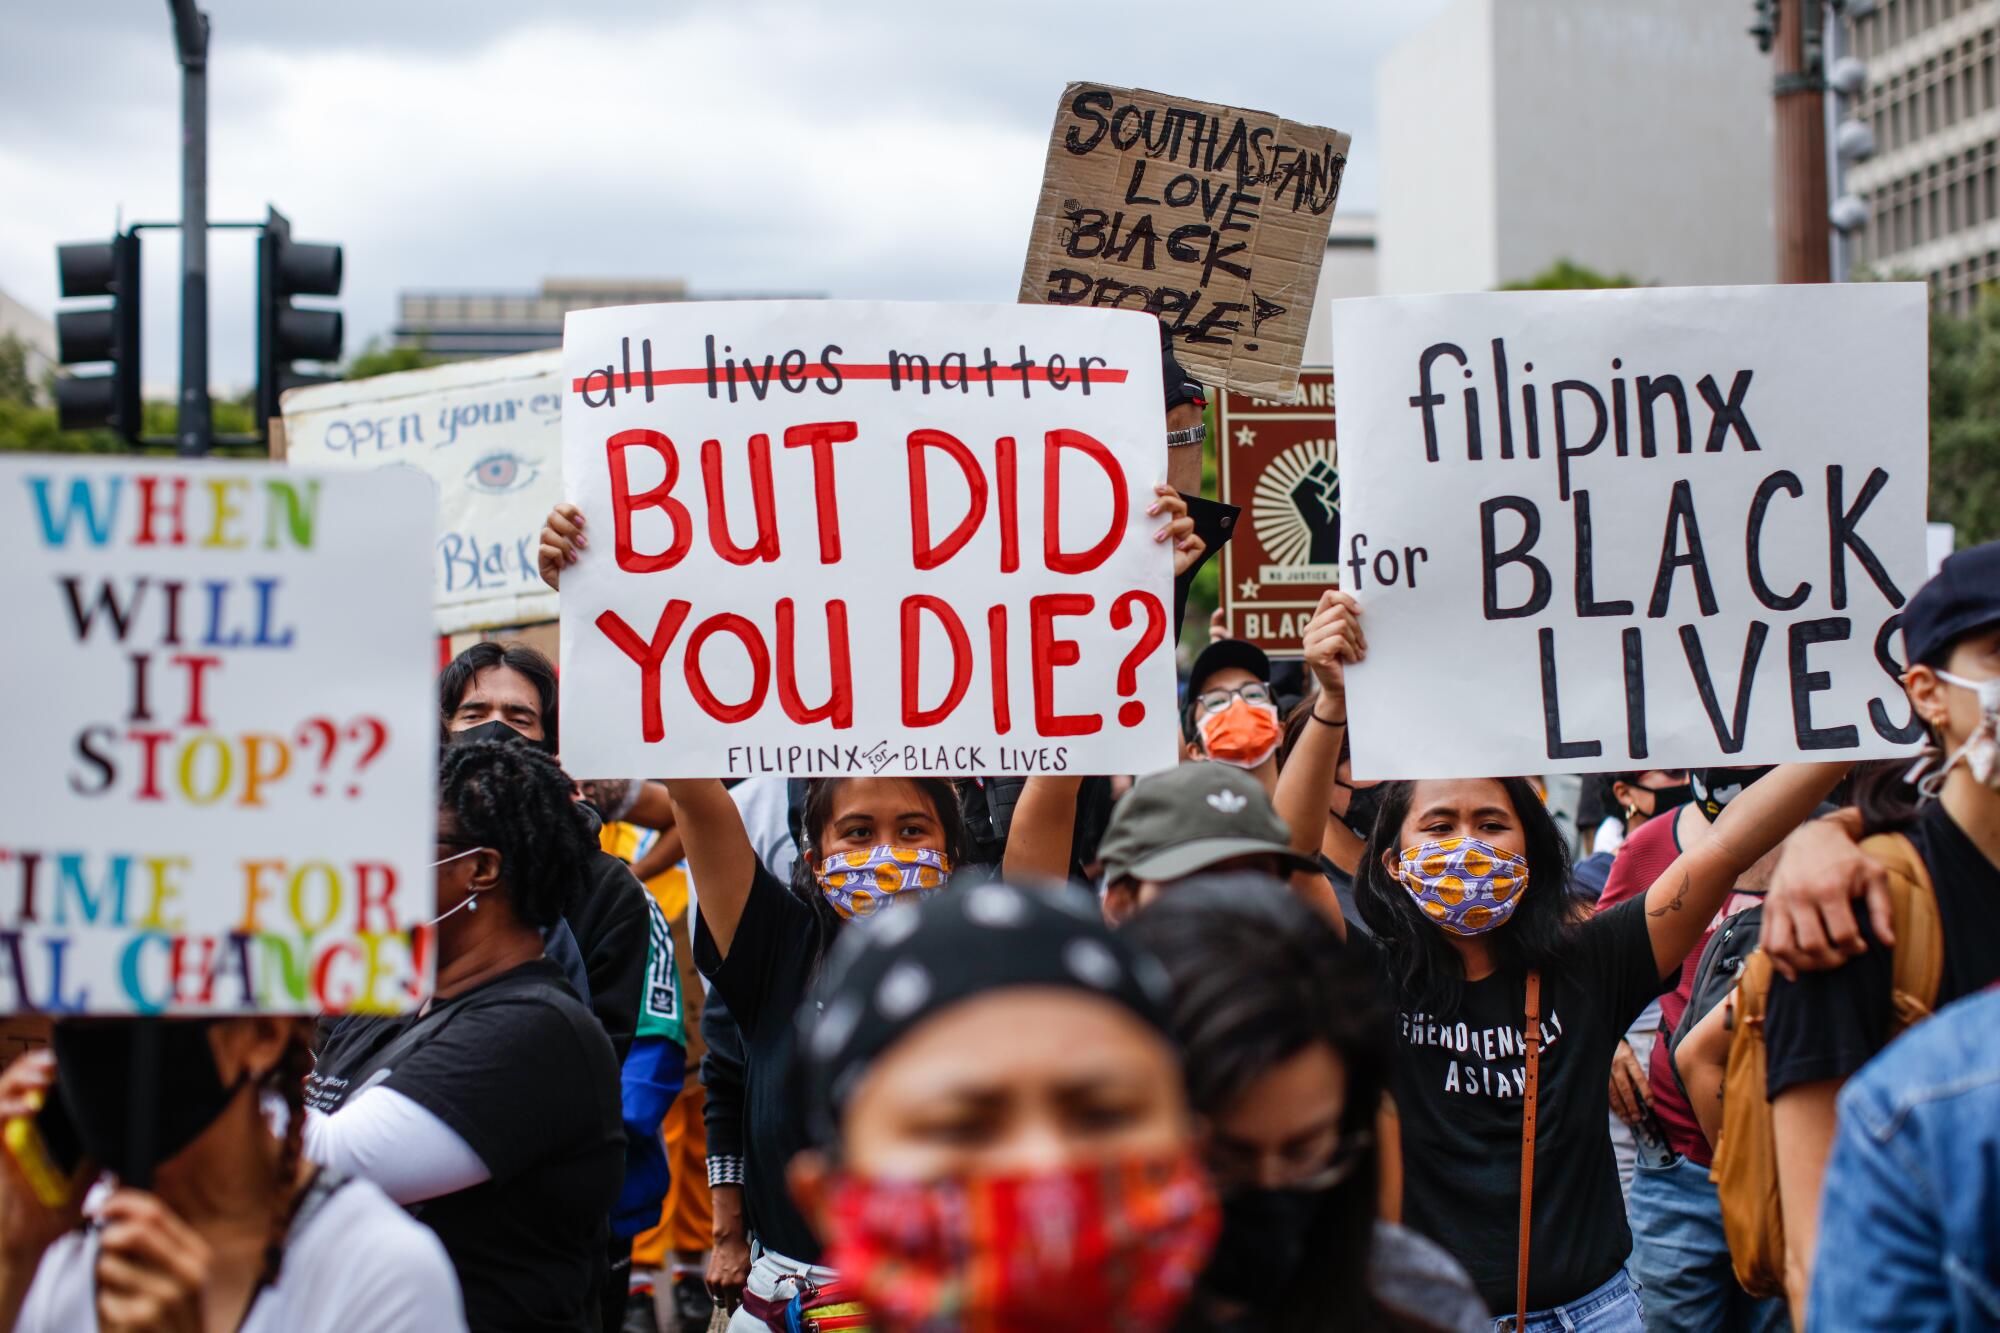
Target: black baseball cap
x,y
1191,817
1222,654
1963,597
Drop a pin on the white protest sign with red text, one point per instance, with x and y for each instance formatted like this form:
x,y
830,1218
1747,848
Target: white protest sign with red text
x,y
218,792
847,537
1655,528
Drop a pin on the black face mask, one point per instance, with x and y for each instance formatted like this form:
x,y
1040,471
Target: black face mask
x,y
497,730
1263,1242
1669,798
1363,803
94,1068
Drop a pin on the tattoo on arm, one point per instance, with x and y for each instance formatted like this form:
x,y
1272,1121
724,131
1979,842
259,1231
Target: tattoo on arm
x,y
1675,903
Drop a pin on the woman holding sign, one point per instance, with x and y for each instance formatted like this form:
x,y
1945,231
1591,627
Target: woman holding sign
x,y
866,843
1509,1010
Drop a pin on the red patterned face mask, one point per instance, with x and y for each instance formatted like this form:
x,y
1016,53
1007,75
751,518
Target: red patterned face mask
x,y
1107,1248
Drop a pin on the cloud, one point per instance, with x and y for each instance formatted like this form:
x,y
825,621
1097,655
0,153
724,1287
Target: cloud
x,y
865,150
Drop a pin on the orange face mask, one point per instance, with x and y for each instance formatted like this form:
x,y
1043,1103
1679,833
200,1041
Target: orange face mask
x,y
1243,734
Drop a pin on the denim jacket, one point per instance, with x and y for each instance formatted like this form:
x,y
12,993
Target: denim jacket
x,y
1909,1231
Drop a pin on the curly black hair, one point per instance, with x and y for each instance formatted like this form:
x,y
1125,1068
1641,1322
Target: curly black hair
x,y
517,801
1427,972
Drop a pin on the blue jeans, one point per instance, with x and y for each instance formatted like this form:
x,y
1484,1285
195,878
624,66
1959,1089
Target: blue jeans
x,y
1612,1308
1680,1257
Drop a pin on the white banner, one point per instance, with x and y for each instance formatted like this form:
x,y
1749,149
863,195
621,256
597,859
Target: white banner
x,y
846,537
218,794
489,436
1594,531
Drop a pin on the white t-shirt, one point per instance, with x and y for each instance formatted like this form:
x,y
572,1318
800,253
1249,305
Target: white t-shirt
x,y
357,1262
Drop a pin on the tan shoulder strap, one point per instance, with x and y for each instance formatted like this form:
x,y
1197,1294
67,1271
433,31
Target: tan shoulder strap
x,y
1918,958
1534,1038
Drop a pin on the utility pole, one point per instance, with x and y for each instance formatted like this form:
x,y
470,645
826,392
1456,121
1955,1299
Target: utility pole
x,y
196,432
1793,31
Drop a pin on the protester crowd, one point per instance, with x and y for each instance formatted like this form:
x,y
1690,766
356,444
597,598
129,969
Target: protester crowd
x,y
1243,1045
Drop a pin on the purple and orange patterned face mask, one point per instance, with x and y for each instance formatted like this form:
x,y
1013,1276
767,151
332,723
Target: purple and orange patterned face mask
x,y
858,883
1464,885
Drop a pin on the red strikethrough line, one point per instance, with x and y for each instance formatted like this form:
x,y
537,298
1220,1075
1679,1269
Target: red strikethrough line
x,y
741,374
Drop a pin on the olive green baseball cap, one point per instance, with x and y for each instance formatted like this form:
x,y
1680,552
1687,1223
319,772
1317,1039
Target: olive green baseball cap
x,y
1177,823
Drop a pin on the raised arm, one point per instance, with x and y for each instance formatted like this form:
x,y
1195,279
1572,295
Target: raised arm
x,y
1305,786
718,852
1044,826
1685,898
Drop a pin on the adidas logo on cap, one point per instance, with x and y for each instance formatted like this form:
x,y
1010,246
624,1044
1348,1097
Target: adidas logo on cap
x,y
1228,802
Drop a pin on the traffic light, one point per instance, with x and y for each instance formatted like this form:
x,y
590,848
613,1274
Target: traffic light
x,y
101,333
287,333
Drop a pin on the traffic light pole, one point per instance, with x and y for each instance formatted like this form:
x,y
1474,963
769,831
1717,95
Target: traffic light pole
x,y
196,430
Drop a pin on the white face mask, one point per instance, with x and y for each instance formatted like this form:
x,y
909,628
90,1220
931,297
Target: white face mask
x,y
471,903
1981,751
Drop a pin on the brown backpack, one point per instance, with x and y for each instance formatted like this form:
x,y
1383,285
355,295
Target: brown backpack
x,y
1746,1156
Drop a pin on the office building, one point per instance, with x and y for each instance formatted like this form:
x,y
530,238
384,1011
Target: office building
x,y
461,324
37,334
1932,186
1627,135
1349,269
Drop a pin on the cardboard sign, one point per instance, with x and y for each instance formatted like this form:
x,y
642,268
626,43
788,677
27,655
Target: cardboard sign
x,y
836,537
218,795
489,436
1279,464
1593,531
1211,217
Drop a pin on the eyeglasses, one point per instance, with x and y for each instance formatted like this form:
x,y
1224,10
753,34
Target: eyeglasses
x,y
1233,1167
1214,701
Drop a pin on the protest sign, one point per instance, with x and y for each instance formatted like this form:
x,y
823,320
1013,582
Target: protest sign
x,y
219,738
1278,462
1612,530
489,435
1212,217
844,537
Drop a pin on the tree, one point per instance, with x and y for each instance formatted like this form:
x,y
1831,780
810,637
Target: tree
x,y
1965,421
16,384
375,359
1567,275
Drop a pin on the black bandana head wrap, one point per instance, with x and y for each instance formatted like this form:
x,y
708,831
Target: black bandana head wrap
x,y
890,973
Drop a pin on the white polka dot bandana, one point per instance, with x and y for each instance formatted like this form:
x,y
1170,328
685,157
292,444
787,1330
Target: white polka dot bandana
x,y
858,883
1466,886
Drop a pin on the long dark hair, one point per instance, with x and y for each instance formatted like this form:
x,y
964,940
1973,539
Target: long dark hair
x,y
1257,978
817,812
1427,972
459,673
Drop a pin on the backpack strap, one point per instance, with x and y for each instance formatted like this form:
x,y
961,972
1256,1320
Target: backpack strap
x,y
1918,957
1534,1039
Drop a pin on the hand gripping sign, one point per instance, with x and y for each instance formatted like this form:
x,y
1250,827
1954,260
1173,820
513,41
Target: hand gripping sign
x,y
1615,530
219,738
860,538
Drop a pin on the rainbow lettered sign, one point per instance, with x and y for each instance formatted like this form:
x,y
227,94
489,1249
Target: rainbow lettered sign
x,y
219,740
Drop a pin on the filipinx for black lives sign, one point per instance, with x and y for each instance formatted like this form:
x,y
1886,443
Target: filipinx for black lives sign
x,y
1651,528
1212,217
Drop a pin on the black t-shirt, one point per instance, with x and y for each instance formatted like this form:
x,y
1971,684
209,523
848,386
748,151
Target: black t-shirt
x,y
525,1075
1460,1085
763,980
1826,1025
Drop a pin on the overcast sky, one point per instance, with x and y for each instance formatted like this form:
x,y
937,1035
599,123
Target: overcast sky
x,y
856,149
